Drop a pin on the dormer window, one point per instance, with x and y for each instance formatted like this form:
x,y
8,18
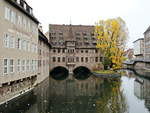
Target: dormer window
x,y
25,6
60,33
31,11
18,1
22,3
28,9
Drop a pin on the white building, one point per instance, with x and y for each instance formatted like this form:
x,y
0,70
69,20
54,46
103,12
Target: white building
x,y
139,48
18,48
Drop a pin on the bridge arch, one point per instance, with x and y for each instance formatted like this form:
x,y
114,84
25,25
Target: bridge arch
x,y
59,73
81,73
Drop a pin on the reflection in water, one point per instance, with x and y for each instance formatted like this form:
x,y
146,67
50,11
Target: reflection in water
x,y
113,100
142,90
19,105
73,96
130,94
94,95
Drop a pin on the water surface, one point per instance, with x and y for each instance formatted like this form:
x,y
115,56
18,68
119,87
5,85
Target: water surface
x,y
129,94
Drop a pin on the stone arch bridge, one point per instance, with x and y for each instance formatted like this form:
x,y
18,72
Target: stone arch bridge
x,y
79,70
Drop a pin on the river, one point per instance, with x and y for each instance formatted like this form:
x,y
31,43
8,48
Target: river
x,y
128,94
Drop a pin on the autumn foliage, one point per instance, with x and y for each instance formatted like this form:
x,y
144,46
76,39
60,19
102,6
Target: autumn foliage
x,y
111,40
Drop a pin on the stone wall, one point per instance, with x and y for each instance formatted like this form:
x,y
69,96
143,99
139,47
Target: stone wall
x,y
139,65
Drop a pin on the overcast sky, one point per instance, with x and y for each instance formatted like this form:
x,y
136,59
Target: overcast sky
x,y
86,12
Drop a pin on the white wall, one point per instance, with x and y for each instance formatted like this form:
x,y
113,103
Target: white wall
x,y
137,47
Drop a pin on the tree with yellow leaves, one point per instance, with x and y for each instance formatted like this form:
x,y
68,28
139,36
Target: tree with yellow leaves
x,y
111,40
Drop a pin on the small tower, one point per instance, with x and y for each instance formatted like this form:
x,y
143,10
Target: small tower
x,y
70,45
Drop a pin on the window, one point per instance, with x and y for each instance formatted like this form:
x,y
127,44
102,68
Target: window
x,y
24,23
101,59
24,45
94,44
27,42
54,50
63,51
5,66
18,1
29,26
32,47
18,65
40,52
34,29
23,65
27,65
12,42
77,59
31,65
58,59
96,51
92,34
6,40
20,20
35,48
84,34
54,59
72,50
61,38
39,63
58,50
11,65
21,3
34,65
63,59
28,46
43,62
78,38
60,33
77,33
69,60
25,6
82,60
86,59
13,17
7,13
18,43
30,11
96,59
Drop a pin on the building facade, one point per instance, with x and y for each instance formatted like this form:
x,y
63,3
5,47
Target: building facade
x,y
147,48
18,47
147,44
139,48
43,58
73,46
142,91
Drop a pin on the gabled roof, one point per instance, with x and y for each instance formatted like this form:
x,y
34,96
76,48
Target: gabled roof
x,y
148,29
43,38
